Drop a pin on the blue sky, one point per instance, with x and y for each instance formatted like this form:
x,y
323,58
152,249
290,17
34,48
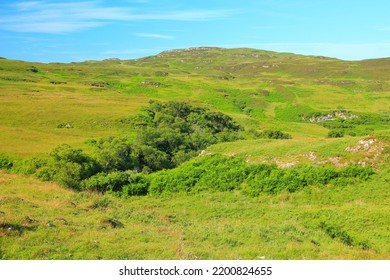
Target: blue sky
x,y
65,31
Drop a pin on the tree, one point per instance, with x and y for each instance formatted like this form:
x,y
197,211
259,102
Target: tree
x,y
70,166
115,154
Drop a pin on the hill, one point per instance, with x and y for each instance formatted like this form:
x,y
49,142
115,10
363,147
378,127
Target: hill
x,y
299,147
256,87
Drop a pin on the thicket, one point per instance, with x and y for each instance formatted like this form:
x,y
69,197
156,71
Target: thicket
x,y
169,134
194,127
126,183
158,162
65,165
205,173
5,162
222,173
70,167
353,125
335,133
274,134
269,134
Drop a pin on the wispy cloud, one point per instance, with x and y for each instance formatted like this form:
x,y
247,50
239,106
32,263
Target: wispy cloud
x,y
56,17
152,35
382,28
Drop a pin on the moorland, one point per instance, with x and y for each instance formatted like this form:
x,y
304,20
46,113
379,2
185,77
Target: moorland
x,y
199,153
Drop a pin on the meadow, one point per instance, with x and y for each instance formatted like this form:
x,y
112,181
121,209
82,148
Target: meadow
x,y
333,222
294,113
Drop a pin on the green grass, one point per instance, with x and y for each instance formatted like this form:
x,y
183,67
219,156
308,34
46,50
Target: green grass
x,y
267,149
49,222
94,95
261,90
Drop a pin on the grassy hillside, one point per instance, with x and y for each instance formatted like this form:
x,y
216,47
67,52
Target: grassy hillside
x,y
43,221
335,113
259,89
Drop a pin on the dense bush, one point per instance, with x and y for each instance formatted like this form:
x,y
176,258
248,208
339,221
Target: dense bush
x,y
206,173
336,133
357,171
103,182
170,134
31,165
65,165
222,173
115,154
175,126
152,159
5,162
274,134
126,183
70,166
337,124
337,233
342,122
138,185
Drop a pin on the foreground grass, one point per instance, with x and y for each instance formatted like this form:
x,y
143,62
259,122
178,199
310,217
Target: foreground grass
x,y
43,221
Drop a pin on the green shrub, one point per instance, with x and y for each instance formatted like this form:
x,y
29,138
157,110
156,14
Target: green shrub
x,y
31,165
213,172
5,162
255,182
123,183
335,232
170,134
222,173
138,185
66,166
101,203
177,128
103,182
357,171
42,168
335,133
68,174
153,158
318,175
294,180
45,173
274,134
115,154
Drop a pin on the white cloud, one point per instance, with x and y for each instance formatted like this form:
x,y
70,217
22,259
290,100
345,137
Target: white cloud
x,y
382,28
195,15
61,17
26,5
53,27
152,35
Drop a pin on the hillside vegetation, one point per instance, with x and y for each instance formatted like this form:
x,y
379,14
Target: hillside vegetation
x,y
200,153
